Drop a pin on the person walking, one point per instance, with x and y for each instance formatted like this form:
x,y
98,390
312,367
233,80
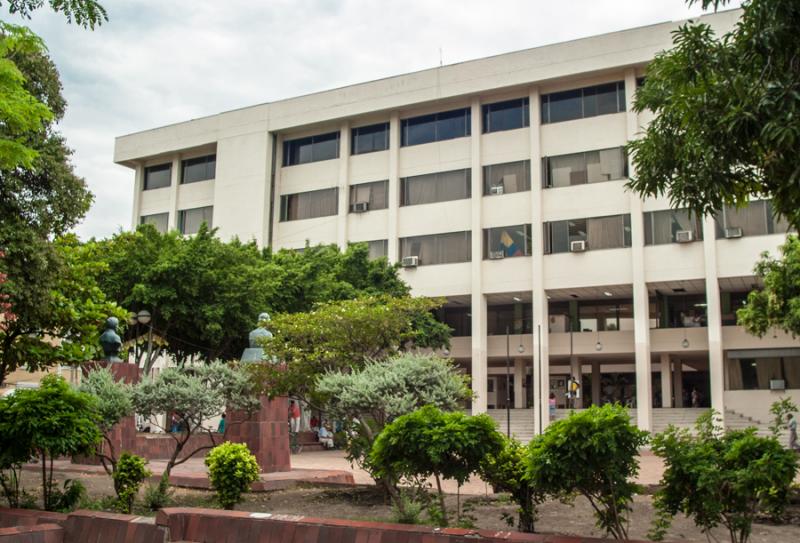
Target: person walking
x,y
221,425
791,423
294,416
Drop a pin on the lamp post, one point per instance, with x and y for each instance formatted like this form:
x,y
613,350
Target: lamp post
x,y
144,317
508,384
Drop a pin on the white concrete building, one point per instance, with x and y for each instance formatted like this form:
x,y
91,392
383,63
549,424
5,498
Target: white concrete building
x,y
500,185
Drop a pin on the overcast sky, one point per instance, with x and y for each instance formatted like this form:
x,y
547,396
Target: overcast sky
x,y
158,62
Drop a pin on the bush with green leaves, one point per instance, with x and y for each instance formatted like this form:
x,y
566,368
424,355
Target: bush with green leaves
x,y
232,468
592,453
131,471
507,471
51,421
431,443
721,478
779,410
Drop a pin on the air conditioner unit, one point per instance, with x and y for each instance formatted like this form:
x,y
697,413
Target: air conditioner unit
x,y
359,207
496,255
410,261
684,236
496,189
733,232
777,384
578,246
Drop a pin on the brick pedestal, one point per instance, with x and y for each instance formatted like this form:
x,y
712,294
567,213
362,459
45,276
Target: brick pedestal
x,y
266,433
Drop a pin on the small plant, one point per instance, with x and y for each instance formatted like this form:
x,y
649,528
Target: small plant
x,y
159,495
409,512
779,410
67,498
592,453
130,473
721,478
232,468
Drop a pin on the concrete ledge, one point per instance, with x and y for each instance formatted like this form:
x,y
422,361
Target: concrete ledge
x,y
100,527
41,533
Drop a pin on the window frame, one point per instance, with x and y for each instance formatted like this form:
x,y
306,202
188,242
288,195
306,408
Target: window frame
x,y
487,110
404,189
284,203
313,141
205,160
438,119
354,134
354,188
166,166
584,92
182,219
547,177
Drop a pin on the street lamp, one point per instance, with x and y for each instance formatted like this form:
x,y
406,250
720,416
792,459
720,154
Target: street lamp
x,y
144,317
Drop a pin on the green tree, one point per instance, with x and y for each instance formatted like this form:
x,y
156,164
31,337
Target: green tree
x,y
429,442
129,474
50,421
86,13
113,401
718,477
232,468
727,113
779,410
344,336
592,453
507,471
777,305
381,391
194,394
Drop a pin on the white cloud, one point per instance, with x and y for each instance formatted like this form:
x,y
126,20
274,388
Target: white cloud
x,y
162,61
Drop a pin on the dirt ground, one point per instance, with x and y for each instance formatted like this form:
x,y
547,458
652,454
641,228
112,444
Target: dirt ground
x,y
364,503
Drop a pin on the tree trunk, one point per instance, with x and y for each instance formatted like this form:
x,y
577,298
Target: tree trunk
x,y
441,500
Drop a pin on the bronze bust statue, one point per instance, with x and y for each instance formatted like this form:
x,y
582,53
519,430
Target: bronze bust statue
x,y
110,340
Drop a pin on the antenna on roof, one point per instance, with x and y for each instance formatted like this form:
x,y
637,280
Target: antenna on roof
x,y
441,62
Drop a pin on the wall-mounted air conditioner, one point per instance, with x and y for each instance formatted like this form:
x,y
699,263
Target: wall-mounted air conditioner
x,y
684,236
496,189
578,246
496,255
733,232
777,384
359,207
410,261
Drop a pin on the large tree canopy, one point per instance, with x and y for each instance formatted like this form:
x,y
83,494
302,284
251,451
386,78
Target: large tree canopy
x,y
86,13
727,113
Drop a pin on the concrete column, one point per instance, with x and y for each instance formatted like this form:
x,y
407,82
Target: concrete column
x,y
678,383
666,380
344,185
276,219
479,340
394,187
270,206
541,356
173,193
519,383
715,354
575,371
641,305
138,185
596,382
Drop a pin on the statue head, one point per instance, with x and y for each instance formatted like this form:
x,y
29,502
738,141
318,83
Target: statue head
x,y
260,332
110,340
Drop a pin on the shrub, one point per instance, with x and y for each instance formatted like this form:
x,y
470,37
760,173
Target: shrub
x,y
592,453
232,468
429,442
721,478
507,471
159,495
67,498
128,477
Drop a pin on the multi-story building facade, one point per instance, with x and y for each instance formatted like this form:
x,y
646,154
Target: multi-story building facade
x,y
499,184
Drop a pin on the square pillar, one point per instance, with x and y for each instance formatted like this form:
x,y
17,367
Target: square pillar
x,y
575,371
596,383
666,380
714,314
678,384
266,433
520,392
343,185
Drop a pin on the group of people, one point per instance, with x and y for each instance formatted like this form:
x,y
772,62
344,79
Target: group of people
x,y
322,429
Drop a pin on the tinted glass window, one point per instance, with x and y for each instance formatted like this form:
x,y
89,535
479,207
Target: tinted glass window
x,y
198,169
458,319
516,318
375,195
755,219
189,220
437,127
598,232
156,177
159,220
663,226
582,168
435,187
311,149
506,115
438,248
367,139
507,241
582,103
309,205
507,178
378,248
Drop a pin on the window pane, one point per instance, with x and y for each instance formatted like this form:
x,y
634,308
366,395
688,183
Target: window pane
x,y
607,99
605,232
156,177
566,170
438,248
582,103
159,220
458,319
419,130
508,178
367,139
311,149
452,124
191,219
511,241
198,169
378,248
663,226
436,187
751,219
309,205
564,106
374,194
505,115
325,147
777,225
